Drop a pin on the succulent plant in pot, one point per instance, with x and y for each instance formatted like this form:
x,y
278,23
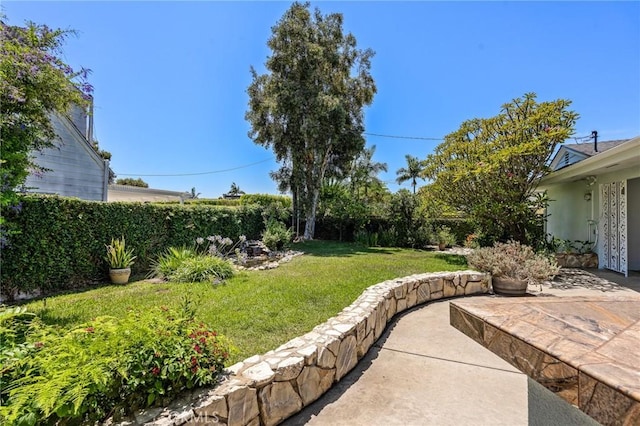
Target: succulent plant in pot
x,y
512,266
120,260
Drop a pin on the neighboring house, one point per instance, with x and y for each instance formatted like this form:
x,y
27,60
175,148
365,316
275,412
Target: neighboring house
x,y
596,197
136,193
75,169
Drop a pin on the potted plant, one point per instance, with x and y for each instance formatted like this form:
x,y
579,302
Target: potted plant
x,y
445,238
512,266
120,260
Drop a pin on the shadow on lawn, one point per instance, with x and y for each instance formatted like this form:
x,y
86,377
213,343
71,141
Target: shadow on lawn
x,y
338,249
453,259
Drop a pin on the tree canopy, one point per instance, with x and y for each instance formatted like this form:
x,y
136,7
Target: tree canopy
x,y
490,168
308,107
132,182
34,83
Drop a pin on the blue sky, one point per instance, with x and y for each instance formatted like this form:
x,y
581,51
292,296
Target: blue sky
x,y
170,78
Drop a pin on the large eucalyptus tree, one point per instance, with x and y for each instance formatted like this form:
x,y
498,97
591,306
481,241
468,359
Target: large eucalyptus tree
x,y
308,106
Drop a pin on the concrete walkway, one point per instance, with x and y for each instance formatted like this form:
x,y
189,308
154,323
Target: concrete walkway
x,y
422,371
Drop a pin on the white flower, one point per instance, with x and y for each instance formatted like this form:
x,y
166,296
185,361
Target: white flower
x,y
243,238
199,240
211,238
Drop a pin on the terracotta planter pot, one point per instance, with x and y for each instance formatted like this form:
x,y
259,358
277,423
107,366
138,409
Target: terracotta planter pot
x,y
509,286
119,276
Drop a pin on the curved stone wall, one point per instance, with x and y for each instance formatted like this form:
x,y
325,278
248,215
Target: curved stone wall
x,y
266,389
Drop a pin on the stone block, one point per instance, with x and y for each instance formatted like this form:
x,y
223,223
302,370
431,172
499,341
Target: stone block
x,y
277,402
347,357
326,358
313,382
365,345
423,292
243,405
310,354
214,406
402,305
289,369
449,288
393,306
399,292
436,284
412,298
260,374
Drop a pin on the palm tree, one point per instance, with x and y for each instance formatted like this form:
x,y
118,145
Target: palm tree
x,y
412,172
365,171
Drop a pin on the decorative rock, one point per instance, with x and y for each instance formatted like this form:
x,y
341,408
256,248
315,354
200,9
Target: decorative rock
x,y
424,292
310,354
289,369
347,357
260,374
412,299
235,368
449,288
213,406
363,347
326,358
313,382
436,284
402,305
243,405
277,402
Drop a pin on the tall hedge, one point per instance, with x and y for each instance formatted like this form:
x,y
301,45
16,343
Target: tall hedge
x,y
61,243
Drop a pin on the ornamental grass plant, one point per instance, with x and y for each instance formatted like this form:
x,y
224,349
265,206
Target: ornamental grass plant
x,y
118,256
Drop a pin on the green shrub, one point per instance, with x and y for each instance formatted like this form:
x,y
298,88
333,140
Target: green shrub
x,y
111,366
277,236
201,268
445,237
265,200
60,244
168,262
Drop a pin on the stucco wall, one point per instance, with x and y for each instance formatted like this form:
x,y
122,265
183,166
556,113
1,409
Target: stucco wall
x,y
633,224
75,170
568,211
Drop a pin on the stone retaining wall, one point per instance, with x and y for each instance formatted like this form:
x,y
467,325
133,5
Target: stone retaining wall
x,y
266,389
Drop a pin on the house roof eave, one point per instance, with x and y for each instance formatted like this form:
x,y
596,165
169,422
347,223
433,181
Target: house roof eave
x,y
624,155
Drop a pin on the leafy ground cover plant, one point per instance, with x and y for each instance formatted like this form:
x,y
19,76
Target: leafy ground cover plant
x,y
110,366
513,260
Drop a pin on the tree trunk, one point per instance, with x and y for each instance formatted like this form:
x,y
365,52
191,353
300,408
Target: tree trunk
x,y
310,224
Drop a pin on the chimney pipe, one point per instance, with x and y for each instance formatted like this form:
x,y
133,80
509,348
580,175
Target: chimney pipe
x,y
594,135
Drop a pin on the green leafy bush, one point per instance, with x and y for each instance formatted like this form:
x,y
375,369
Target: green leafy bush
x,y
202,267
110,366
445,237
265,200
277,236
60,244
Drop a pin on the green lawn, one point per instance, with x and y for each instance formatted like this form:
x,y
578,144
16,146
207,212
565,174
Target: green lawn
x,y
260,310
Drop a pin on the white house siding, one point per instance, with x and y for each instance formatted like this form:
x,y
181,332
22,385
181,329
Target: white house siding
x,y
570,211
75,169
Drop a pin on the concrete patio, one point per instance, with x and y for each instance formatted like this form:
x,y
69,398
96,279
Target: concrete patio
x,y
422,371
